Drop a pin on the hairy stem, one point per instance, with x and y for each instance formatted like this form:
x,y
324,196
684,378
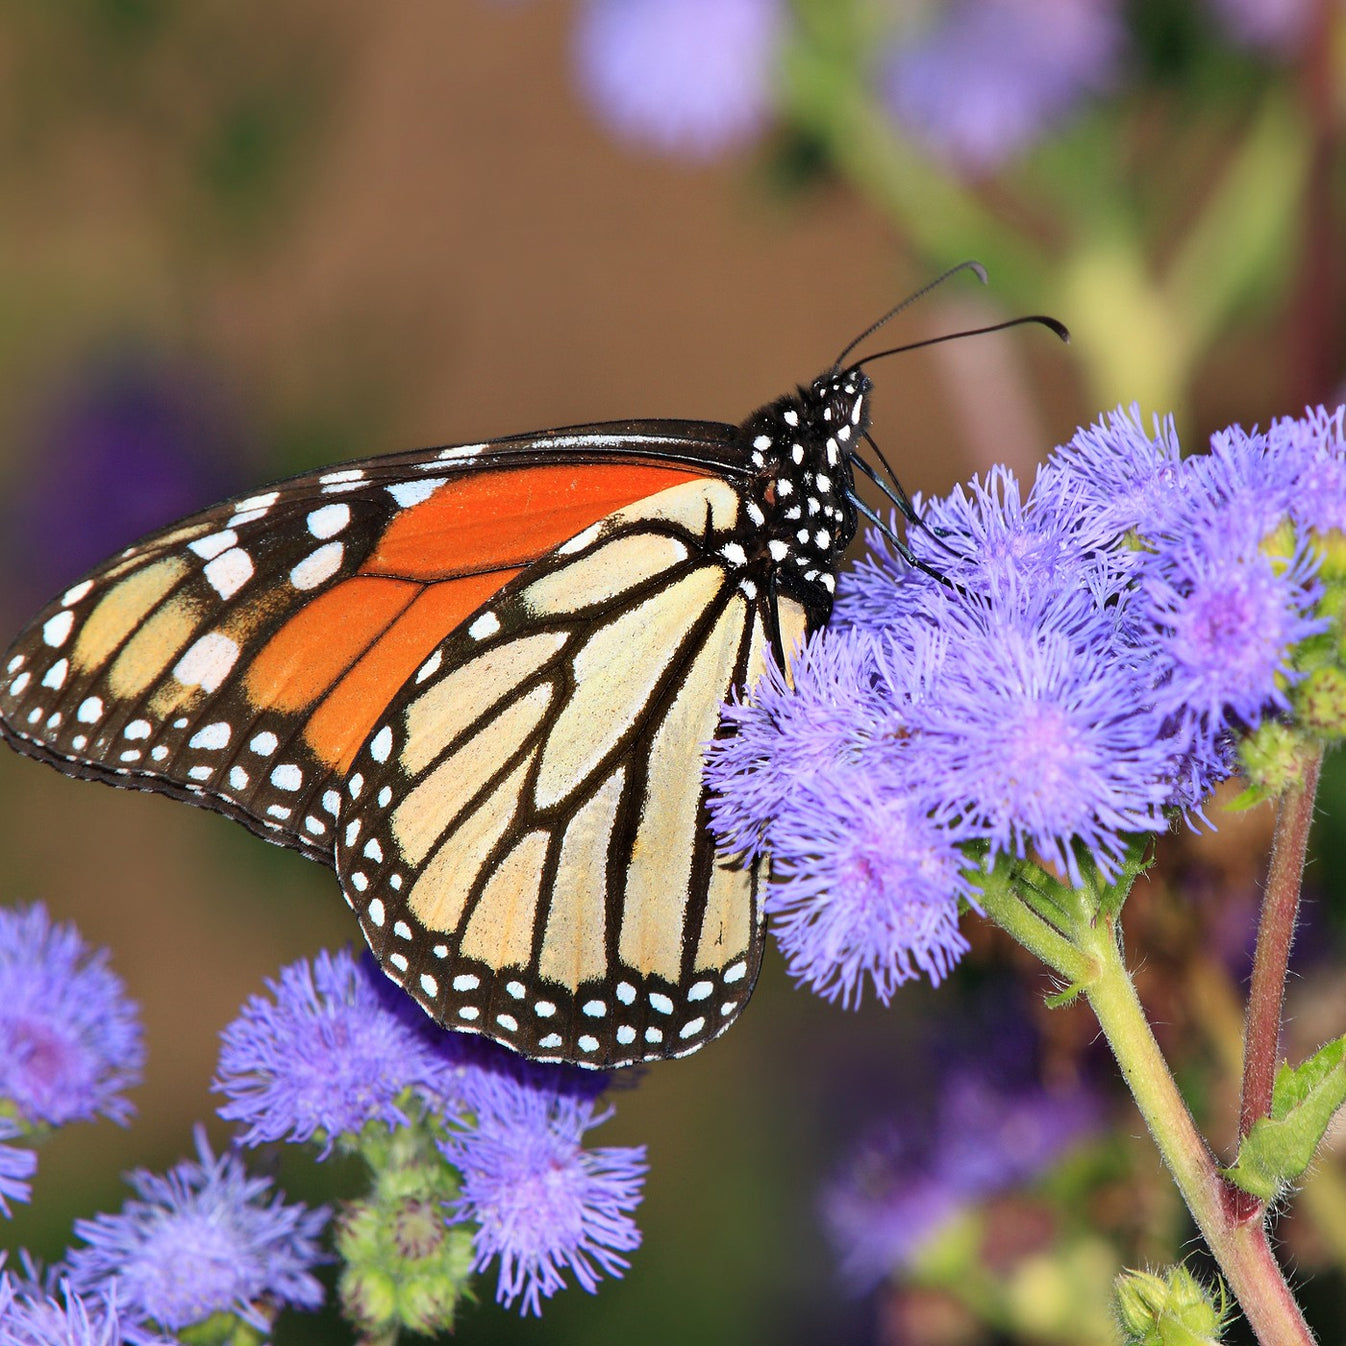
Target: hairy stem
x,y
1275,933
1235,1233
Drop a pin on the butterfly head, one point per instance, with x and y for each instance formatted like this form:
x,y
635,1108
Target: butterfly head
x,y
800,499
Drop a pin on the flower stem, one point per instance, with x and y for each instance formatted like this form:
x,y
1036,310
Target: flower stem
x,y
1275,933
1234,1231
1007,909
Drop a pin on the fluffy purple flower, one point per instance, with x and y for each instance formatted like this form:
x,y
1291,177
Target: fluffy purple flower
x,y
990,77
1314,448
70,1039
786,733
542,1203
1039,733
17,1166
865,887
205,1238
31,1317
1226,622
686,77
1115,474
333,1047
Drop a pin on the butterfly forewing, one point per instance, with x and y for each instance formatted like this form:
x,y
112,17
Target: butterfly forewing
x,y
524,833
239,658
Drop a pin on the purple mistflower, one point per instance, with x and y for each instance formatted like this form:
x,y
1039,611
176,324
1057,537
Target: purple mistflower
x,y
70,1039
333,1047
543,1203
990,77
1279,26
865,887
883,1208
205,1238
17,1166
124,444
1039,734
31,1317
1225,623
685,77
1116,473
784,734
1314,446
906,1180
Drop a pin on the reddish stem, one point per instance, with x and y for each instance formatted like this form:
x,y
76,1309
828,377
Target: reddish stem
x,y
1275,934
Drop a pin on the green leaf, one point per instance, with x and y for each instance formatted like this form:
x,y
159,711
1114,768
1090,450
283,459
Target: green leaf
x,y
1303,1102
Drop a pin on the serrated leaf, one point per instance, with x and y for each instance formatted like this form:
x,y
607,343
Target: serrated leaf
x,y
1304,1100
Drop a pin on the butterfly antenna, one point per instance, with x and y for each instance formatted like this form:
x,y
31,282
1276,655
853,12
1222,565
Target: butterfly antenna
x,y
897,544
1041,319
976,267
909,511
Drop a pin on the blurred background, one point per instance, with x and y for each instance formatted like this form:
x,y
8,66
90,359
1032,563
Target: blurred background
x,y
239,240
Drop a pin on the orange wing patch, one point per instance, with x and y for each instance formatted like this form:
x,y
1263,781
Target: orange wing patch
x,y
509,518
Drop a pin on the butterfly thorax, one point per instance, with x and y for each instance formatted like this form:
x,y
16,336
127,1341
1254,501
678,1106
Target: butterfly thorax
x,y
798,502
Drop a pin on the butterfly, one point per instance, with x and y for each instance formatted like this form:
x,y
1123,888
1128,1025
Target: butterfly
x,y
478,682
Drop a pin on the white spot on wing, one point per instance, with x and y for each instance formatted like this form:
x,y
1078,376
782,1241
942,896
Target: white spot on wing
x,y
466,981
318,566
264,744
55,675
229,572
375,911
382,744
329,520
485,625
207,548
430,667
409,493
75,594
90,710
212,737
208,662
287,776
56,629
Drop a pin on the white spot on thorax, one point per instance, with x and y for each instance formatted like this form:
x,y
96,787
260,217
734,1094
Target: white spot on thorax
x,y
734,554
791,417
784,486
778,549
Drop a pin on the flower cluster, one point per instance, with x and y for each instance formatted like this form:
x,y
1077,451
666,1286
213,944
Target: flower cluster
x,y
70,1040
205,1238
974,83
460,1135
906,1180
1086,663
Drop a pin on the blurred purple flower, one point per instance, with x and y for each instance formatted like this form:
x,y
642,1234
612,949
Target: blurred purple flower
x,y
70,1039
990,77
31,1317
684,77
203,1239
908,1178
1280,26
334,1047
542,1202
17,1166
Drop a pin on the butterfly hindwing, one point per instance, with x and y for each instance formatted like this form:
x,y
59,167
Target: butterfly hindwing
x,y
523,834
237,659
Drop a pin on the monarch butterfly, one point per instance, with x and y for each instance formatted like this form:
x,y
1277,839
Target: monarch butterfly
x,y
476,681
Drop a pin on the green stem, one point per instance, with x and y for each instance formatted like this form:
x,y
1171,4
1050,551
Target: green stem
x,y
1235,1233
1275,933
1000,902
